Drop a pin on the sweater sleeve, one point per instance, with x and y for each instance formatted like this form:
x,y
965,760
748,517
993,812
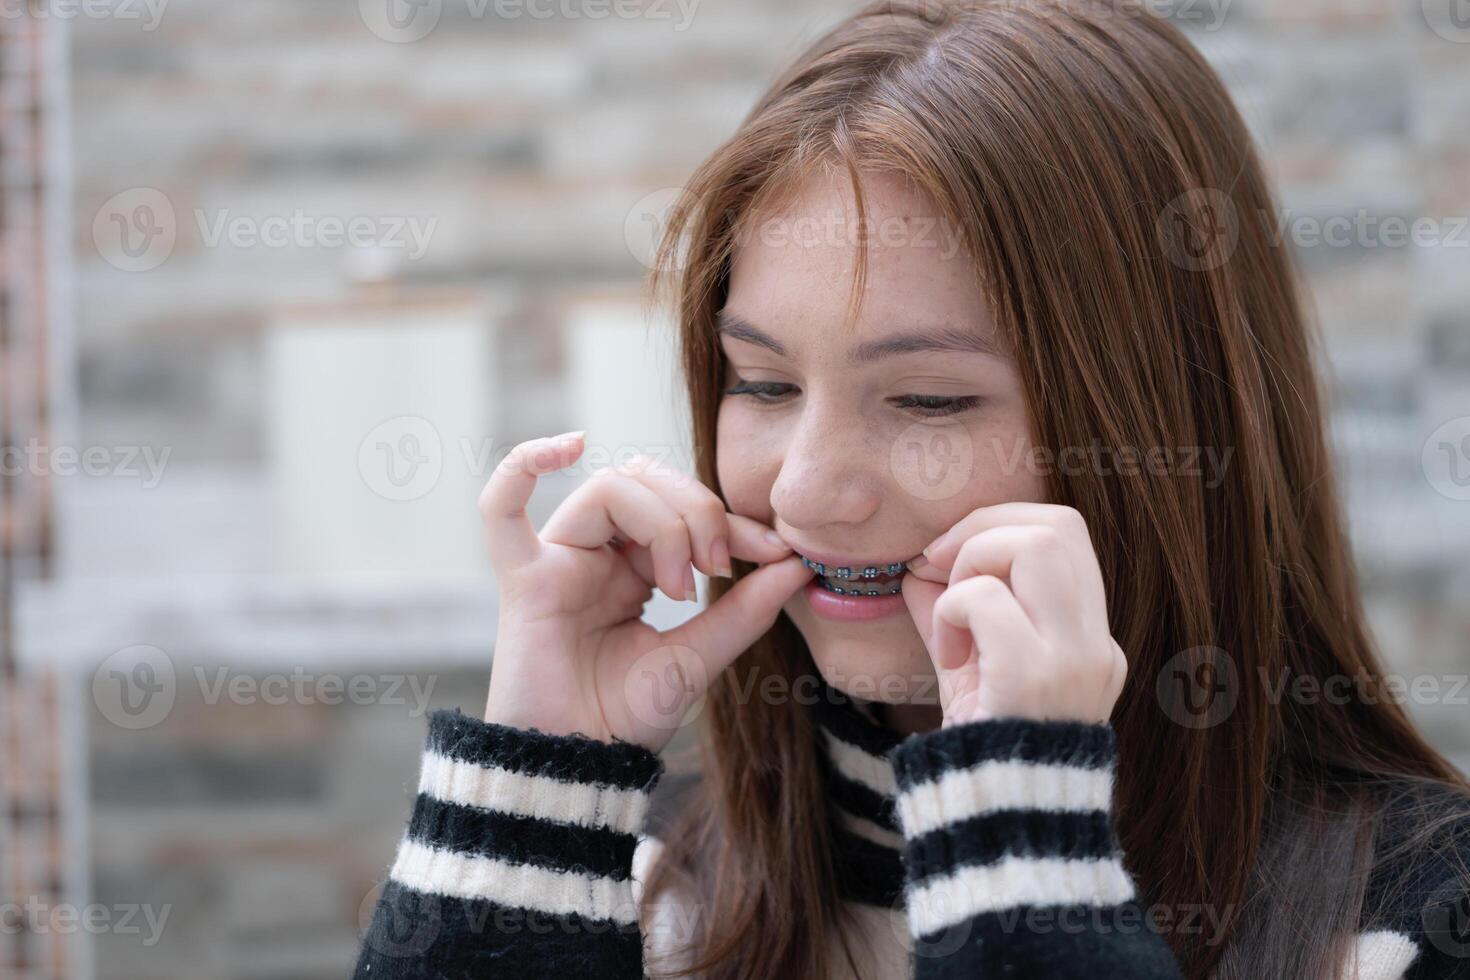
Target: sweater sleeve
x,y
1444,939
1012,866
517,860
1435,932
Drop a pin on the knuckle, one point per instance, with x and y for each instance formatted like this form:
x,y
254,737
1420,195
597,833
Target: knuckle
x,y
987,588
956,592
970,549
1071,521
635,464
674,530
1046,537
709,508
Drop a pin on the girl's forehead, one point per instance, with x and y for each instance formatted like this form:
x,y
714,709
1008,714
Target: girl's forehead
x,y
868,342
822,210
796,259
806,295
807,246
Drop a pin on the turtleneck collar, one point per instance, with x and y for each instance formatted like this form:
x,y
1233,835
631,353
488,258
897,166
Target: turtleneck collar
x,y
862,793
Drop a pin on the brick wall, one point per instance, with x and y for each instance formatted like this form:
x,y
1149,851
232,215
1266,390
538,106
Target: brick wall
x,y
528,143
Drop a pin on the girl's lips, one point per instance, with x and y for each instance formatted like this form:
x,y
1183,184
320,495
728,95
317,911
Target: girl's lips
x,y
829,604
851,608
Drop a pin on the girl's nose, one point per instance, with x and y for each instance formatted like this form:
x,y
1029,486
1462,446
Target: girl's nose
x,y
829,475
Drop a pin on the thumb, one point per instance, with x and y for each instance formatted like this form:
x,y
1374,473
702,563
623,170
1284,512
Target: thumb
x,y
948,645
739,617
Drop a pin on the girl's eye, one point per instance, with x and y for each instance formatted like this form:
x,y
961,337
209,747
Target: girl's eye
x,y
761,391
929,406
936,405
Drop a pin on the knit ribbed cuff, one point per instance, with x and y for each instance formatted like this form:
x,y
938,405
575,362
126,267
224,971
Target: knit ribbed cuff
x,y
1007,812
527,820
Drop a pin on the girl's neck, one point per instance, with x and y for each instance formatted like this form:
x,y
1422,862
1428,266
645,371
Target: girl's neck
x,y
910,718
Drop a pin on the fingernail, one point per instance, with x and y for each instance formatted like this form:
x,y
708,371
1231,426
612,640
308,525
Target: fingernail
x,y
720,558
919,564
689,591
775,539
929,551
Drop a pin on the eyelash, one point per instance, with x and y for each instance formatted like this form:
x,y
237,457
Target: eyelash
x,y
929,406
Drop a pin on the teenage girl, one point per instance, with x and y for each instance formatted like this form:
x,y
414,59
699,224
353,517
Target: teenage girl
x,y
1034,645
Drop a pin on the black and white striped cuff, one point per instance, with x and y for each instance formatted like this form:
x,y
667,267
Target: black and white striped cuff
x,y
1007,812
523,819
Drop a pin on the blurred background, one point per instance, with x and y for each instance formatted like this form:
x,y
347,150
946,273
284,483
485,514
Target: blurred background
x,y
282,281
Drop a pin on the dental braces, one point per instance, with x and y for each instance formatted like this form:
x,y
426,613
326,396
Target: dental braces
x,y
867,571
844,571
893,588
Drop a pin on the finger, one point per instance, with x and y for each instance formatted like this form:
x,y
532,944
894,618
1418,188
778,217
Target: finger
x,y
1066,520
919,596
701,509
629,592
949,646
502,503
953,645
1036,563
989,611
641,559
609,505
672,559
1114,688
922,567
750,540
742,615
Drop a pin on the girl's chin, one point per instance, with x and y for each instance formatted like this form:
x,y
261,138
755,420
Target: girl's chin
x,y
894,673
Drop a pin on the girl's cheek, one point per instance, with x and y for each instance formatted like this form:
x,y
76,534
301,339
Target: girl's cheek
x,y
1006,467
745,465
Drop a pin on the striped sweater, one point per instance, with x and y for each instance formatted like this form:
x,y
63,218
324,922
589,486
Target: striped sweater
x,y
982,849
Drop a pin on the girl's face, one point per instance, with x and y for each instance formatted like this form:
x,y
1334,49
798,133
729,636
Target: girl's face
x,y
862,446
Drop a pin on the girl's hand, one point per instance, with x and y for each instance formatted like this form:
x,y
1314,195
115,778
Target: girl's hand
x,y
572,653
1011,607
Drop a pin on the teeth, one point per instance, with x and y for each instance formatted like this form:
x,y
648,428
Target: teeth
x,y
830,577
847,572
887,588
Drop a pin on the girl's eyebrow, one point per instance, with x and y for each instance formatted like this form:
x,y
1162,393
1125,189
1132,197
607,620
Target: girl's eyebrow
x,y
947,340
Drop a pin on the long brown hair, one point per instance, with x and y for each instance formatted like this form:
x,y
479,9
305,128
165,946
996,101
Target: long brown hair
x,y
1088,154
